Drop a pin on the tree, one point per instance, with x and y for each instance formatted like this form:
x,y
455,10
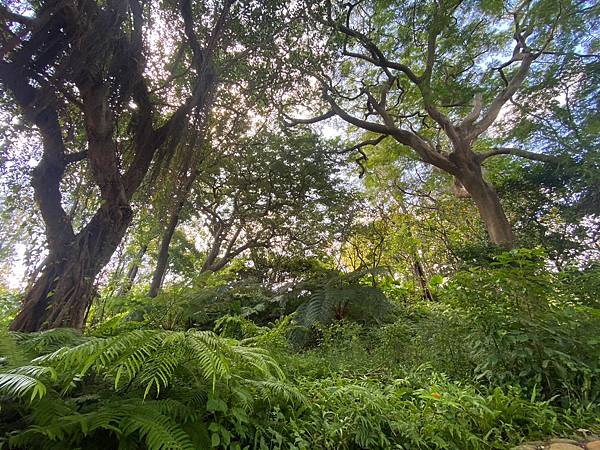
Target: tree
x,y
267,190
93,59
434,76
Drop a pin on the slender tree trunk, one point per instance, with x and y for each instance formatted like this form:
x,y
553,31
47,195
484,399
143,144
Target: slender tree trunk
x,y
133,271
163,255
420,274
490,209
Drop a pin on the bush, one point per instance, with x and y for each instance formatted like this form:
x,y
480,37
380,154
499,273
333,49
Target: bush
x,y
524,332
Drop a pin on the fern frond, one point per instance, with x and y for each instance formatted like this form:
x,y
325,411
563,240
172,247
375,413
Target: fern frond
x,y
259,360
153,422
274,391
17,386
152,358
48,341
159,431
35,371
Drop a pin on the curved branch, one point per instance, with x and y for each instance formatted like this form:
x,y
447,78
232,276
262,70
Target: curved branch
x,y
378,58
364,124
362,144
475,112
404,137
492,113
291,121
520,153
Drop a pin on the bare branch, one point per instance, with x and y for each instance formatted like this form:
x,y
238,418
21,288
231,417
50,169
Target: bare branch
x,y
404,137
520,153
75,157
378,58
362,144
291,121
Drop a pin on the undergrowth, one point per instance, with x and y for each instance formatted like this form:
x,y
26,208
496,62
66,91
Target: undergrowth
x,y
509,353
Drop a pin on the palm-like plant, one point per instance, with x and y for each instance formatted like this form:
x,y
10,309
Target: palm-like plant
x,y
337,297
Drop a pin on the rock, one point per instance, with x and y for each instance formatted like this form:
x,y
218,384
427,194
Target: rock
x,y
594,445
563,441
563,446
525,447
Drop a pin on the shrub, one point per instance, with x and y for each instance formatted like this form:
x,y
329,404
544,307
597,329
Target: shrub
x,y
524,333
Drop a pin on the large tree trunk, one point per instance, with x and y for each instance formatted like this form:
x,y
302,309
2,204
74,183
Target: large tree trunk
x,y
63,292
490,209
78,43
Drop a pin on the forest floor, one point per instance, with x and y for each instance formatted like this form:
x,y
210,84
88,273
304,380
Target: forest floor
x,y
562,444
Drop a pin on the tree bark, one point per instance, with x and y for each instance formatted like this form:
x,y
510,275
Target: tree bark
x,y
420,274
163,255
63,292
490,209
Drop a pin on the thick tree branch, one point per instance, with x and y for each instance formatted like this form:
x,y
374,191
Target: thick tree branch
x,y
364,124
292,121
10,16
75,157
408,138
39,108
492,112
475,112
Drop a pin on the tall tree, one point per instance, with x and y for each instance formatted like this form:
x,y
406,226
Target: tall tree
x,y
436,75
266,190
96,58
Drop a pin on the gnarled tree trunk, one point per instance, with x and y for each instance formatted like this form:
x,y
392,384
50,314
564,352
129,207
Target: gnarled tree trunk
x,y
63,292
98,48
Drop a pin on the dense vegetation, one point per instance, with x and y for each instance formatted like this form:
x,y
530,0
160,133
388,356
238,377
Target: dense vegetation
x,y
298,225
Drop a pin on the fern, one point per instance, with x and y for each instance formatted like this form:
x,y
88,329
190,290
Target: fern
x,y
325,305
137,366
341,296
153,422
151,358
17,385
47,341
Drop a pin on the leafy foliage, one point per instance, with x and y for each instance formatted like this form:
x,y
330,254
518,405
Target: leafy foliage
x,y
518,363
131,369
